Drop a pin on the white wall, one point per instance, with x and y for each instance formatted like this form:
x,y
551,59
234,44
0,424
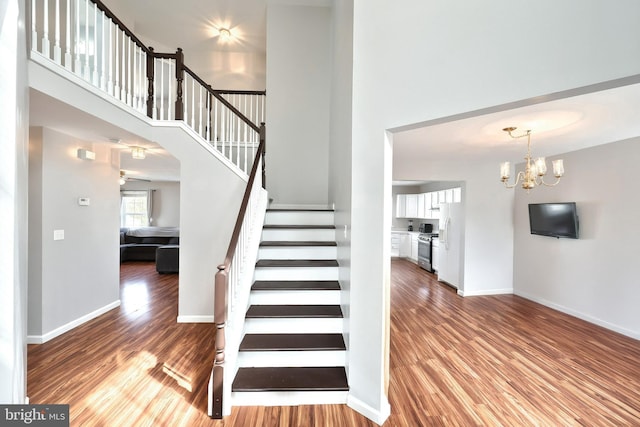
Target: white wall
x,y
14,118
596,276
210,191
298,88
166,200
73,279
443,58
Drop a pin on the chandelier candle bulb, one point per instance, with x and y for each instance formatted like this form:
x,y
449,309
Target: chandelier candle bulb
x,y
558,168
505,170
541,166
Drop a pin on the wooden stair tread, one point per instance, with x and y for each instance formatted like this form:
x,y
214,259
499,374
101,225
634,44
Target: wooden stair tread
x,y
291,379
298,227
288,342
294,311
297,243
296,285
297,263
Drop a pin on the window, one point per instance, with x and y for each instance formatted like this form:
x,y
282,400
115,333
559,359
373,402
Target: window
x,y
135,208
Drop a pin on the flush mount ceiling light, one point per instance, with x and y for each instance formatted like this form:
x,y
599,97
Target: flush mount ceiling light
x,y
138,153
534,171
224,34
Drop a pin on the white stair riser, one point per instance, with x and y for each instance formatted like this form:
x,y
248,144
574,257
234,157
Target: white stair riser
x,y
288,359
296,273
297,235
294,326
298,252
294,297
299,218
288,398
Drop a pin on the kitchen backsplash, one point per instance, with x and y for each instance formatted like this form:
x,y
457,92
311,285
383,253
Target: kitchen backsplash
x,y
403,223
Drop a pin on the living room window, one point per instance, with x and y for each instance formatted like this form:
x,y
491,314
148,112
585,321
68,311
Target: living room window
x,y
135,208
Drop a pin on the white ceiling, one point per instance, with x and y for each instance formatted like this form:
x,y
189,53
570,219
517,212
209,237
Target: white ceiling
x,y
566,123
559,122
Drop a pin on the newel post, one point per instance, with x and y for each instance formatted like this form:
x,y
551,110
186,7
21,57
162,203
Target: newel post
x,y
219,318
263,139
179,80
150,77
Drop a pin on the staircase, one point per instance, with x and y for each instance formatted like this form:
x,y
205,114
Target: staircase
x,y
293,351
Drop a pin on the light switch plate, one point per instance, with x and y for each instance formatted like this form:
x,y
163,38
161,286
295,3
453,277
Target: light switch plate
x,y
58,234
84,201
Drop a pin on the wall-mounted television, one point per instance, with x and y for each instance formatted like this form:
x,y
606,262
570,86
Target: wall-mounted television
x,y
554,219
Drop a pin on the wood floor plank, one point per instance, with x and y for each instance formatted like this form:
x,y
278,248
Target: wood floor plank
x,y
487,360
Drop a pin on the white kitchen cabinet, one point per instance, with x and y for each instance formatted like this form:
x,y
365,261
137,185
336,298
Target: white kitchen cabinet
x,y
412,206
395,244
414,247
435,254
405,245
457,195
401,206
422,212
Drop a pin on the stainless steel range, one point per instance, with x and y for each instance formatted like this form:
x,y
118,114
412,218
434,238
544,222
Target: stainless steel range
x,y
425,250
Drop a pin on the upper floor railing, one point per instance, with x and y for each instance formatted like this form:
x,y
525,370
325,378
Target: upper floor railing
x,y
88,40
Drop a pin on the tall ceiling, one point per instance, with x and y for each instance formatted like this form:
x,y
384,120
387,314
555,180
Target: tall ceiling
x,y
561,123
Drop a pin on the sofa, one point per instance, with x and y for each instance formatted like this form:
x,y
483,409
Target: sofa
x,y
158,244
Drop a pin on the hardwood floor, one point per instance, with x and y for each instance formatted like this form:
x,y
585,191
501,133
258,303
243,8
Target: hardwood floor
x,y
499,360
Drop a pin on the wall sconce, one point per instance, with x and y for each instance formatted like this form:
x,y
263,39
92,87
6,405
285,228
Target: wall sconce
x,y
86,154
138,153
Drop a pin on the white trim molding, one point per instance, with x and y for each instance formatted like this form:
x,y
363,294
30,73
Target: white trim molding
x,y
41,339
378,416
195,319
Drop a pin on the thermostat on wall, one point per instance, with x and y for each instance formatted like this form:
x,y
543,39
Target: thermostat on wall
x,y
84,201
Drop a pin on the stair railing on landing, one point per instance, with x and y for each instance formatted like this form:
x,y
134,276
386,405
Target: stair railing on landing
x,y
87,39
232,282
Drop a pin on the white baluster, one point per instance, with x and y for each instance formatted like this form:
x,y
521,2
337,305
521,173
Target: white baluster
x,y
110,68
103,51
34,32
116,68
142,74
129,71
87,70
123,68
223,129
170,94
162,88
136,82
57,52
216,134
193,98
155,88
76,51
95,75
45,31
67,48
200,109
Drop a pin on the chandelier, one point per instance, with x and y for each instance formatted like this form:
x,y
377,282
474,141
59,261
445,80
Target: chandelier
x,y
534,171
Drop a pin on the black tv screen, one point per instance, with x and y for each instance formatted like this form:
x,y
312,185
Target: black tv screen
x,y
554,219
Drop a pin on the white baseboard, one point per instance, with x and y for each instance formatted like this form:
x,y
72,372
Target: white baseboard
x,y
463,293
378,416
41,339
195,319
580,315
